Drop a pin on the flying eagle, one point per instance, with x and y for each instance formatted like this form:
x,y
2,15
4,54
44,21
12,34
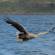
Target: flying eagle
x,y
23,35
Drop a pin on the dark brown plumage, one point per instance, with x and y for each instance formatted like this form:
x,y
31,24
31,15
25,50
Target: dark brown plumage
x,y
16,25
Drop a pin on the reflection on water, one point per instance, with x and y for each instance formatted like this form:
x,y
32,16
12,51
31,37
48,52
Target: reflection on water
x,y
44,45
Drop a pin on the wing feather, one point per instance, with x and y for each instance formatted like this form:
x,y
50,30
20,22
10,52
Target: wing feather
x,y
16,25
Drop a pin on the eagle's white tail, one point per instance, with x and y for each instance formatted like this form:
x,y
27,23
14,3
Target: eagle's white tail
x,y
42,33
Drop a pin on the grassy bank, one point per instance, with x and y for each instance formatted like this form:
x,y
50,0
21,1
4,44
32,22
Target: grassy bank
x,y
19,6
27,10
27,0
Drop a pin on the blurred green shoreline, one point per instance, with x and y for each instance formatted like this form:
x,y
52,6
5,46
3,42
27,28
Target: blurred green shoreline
x,y
27,7
39,13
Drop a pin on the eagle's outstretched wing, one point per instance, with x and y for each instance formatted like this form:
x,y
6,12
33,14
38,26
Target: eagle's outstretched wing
x,y
15,24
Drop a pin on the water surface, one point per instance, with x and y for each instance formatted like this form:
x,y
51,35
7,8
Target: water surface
x,y
44,45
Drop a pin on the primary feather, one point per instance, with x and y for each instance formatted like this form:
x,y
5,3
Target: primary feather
x,y
16,25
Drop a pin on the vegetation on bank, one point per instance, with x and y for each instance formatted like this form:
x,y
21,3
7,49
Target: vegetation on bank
x,y
25,6
27,0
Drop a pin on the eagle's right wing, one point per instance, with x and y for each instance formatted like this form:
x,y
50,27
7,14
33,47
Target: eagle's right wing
x,y
16,25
